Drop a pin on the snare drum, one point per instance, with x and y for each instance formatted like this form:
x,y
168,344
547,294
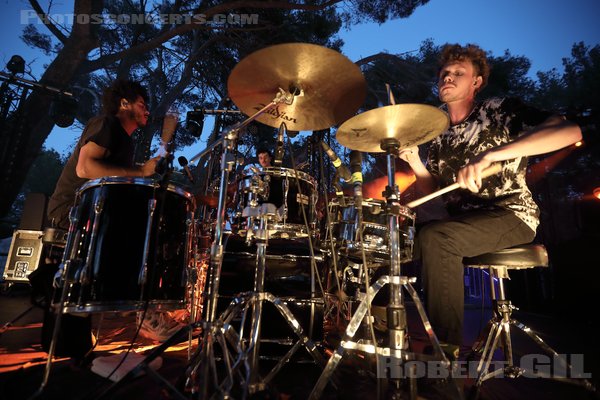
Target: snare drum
x,y
375,233
290,191
130,245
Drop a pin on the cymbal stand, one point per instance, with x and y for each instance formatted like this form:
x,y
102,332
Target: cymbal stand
x,y
213,328
397,348
249,354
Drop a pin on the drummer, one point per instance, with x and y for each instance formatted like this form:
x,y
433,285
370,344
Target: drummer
x,y
491,214
105,148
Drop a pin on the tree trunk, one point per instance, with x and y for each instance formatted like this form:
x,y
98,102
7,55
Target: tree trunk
x,y
35,124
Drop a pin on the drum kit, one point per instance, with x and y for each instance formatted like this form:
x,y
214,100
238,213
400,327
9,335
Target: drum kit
x,y
148,251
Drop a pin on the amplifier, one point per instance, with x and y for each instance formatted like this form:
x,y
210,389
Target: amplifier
x,y
24,255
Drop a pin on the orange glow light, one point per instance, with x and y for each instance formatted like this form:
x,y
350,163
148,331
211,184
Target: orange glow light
x,y
375,188
579,144
597,193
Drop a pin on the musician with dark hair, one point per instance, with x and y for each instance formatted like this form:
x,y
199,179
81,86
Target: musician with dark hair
x,y
105,148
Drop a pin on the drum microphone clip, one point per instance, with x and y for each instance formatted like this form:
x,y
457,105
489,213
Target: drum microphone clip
x,y
279,149
341,169
357,178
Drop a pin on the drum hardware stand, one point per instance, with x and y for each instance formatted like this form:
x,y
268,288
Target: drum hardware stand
x,y
213,328
314,275
7,325
396,314
65,266
249,354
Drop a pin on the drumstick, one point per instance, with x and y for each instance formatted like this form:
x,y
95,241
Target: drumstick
x,y
491,170
170,121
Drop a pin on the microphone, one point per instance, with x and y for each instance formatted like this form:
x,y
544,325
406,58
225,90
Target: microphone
x,y
337,163
279,149
357,178
183,162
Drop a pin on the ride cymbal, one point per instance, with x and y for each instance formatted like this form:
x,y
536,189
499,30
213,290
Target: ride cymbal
x,y
328,88
409,124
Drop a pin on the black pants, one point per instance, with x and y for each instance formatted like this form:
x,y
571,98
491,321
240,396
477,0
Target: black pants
x,y
75,335
442,245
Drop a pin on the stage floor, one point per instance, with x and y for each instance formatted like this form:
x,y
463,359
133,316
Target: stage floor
x,y
22,362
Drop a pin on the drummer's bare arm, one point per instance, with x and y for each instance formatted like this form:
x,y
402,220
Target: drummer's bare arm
x,y
551,135
91,164
426,183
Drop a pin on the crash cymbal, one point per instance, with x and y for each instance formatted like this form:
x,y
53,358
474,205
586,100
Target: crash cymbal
x,y
410,124
329,87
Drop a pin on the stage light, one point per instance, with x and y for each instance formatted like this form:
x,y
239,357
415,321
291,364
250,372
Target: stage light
x,y
16,65
194,122
597,193
578,144
63,110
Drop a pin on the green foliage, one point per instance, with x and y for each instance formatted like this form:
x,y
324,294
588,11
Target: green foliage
x,y
379,10
34,38
44,172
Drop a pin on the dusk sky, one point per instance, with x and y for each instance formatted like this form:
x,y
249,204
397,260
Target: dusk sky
x,y
542,30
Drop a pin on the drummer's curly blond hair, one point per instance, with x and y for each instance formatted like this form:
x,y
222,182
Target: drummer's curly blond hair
x,y
456,52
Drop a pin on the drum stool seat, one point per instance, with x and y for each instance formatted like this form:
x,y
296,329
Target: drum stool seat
x,y
498,264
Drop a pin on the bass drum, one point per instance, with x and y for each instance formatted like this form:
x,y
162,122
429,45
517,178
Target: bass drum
x,y
287,276
130,246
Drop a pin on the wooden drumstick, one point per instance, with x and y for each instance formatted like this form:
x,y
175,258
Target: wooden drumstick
x,y
491,170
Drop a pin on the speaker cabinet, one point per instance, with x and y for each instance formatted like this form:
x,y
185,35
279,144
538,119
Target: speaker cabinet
x,y
33,217
24,255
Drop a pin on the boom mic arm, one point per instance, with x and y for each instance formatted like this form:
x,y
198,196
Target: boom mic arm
x,y
342,170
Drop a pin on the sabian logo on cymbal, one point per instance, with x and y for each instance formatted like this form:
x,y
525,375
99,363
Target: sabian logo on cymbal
x,y
276,114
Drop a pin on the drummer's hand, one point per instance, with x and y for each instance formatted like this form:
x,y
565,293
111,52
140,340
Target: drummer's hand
x,y
469,176
410,155
149,166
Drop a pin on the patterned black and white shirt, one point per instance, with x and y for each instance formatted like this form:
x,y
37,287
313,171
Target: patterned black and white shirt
x,y
491,123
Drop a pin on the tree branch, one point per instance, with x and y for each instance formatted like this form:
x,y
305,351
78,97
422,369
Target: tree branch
x,y
46,20
93,65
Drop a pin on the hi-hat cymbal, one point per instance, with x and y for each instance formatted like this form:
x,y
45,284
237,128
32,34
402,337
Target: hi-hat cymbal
x,y
329,87
409,124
